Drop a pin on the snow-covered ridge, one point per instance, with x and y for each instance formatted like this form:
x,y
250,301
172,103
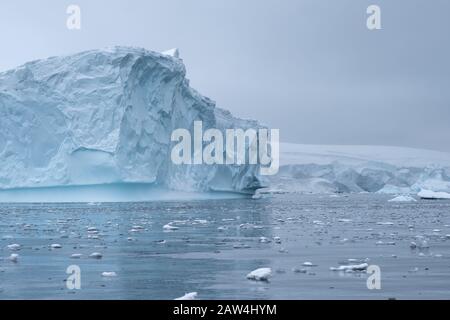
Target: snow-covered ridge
x,y
326,169
105,117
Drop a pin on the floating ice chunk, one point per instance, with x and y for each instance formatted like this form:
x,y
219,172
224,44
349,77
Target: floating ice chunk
x,y
96,255
404,198
277,240
56,246
109,274
76,256
169,227
431,195
14,247
188,296
351,267
264,240
14,257
309,264
261,274
387,223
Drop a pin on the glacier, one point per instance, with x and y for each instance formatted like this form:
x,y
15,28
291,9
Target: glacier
x,y
104,118
355,169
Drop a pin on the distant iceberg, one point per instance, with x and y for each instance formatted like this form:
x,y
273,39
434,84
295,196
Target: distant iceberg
x,y
343,169
105,117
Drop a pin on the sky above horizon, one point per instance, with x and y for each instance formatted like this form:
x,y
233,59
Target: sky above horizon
x,y
308,67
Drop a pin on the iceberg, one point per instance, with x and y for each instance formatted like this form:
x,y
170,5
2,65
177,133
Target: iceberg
x,y
104,118
359,169
432,195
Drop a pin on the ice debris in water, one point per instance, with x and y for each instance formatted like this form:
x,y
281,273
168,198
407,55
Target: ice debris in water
x,y
261,274
351,267
169,227
14,247
14,257
109,274
96,255
188,296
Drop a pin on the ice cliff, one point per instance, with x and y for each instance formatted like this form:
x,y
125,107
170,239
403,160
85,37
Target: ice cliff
x,y
105,117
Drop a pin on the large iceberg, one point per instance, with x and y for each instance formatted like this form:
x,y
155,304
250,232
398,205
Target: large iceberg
x,y
105,117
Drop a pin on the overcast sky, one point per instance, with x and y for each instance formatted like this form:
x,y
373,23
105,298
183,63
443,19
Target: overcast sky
x,y
308,67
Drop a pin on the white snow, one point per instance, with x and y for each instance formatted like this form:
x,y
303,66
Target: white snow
x,y
428,194
188,296
261,274
172,52
404,198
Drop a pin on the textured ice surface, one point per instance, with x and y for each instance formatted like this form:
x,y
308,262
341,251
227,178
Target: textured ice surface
x,y
106,117
327,169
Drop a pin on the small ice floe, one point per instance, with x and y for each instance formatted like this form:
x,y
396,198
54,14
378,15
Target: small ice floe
x,y
14,257
169,227
14,247
385,223
76,256
261,274
277,240
201,221
309,264
382,243
432,195
56,246
436,230
318,222
92,229
413,270
283,250
222,228
413,245
264,240
447,236
351,267
345,220
188,296
110,274
96,255
404,198
161,241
